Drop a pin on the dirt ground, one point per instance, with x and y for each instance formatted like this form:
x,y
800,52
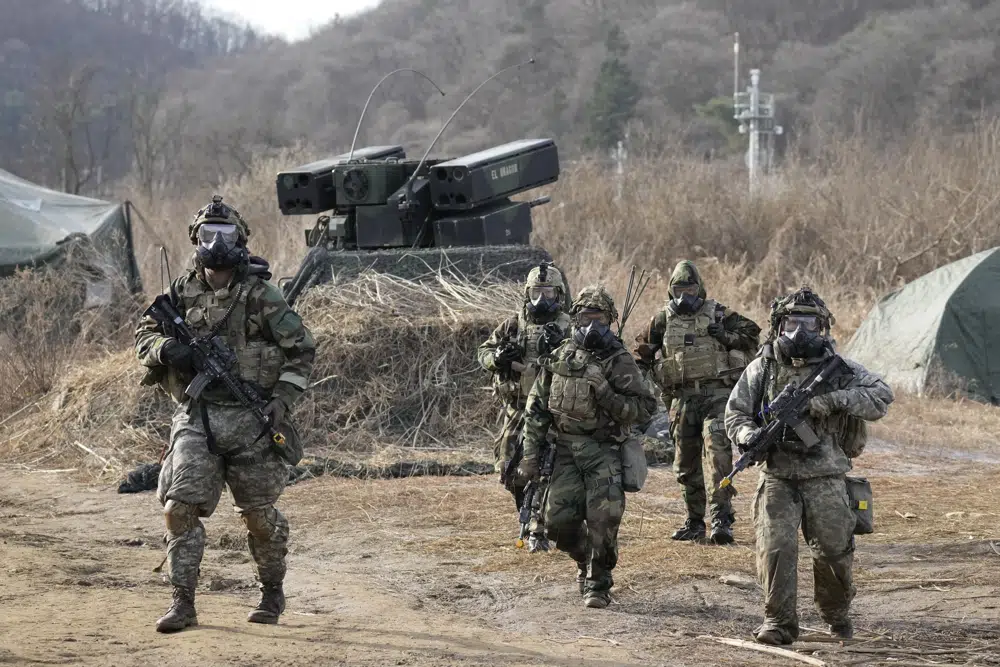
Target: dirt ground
x,y
423,571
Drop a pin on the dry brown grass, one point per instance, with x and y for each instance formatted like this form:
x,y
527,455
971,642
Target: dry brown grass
x,y
853,222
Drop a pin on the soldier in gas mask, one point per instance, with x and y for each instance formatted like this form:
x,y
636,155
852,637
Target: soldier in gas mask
x,y
702,346
215,441
804,485
588,392
511,354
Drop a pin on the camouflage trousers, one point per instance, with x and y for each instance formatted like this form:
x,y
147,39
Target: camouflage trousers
x,y
585,505
701,444
504,445
821,506
191,484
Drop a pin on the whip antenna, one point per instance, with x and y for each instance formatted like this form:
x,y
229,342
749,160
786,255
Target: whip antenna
x,y
372,94
164,261
409,191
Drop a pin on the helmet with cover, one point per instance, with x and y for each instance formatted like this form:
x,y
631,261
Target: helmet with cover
x,y
220,235
544,290
800,324
593,313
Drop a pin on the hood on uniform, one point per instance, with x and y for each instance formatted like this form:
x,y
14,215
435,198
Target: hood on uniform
x,y
258,266
685,275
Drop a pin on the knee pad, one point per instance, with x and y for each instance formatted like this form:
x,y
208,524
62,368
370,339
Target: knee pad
x,y
180,517
265,523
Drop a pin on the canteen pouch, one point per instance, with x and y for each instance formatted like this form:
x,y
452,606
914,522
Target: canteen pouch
x,y
634,469
859,493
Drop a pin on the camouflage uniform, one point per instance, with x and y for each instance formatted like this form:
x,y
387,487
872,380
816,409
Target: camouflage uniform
x,y
589,399
275,353
525,330
804,486
695,372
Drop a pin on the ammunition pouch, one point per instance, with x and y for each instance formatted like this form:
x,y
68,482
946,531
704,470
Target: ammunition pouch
x,y
853,436
634,467
859,493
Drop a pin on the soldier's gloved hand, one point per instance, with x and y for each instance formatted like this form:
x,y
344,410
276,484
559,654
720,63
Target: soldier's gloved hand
x,y
528,469
827,404
177,355
645,353
741,443
595,377
505,355
277,411
717,331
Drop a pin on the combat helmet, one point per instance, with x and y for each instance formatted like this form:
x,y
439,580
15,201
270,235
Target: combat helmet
x,y
595,297
218,212
539,278
801,302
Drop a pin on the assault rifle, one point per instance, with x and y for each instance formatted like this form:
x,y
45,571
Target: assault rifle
x,y
510,352
509,473
534,493
788,410
214,361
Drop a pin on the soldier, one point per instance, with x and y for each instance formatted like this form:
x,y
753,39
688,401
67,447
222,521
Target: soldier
x,y
215,441
511,354
590,392
703,345
799,484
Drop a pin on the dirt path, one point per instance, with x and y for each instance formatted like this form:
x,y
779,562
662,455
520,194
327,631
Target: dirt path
x,y
423,572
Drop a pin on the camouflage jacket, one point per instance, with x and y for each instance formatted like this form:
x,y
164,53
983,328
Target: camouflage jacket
x,y
524,332
562,398
274,349
866,397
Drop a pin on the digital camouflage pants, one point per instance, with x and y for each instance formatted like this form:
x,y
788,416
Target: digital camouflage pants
x,y
191,483
822,508
585,505
701,443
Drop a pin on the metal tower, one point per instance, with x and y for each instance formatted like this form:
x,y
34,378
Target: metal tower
x,y
755,112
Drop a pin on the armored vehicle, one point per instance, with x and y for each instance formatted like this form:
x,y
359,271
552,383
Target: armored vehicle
x,y
379,210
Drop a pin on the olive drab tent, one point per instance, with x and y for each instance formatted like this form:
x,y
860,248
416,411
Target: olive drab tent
x,y
37,225
939,333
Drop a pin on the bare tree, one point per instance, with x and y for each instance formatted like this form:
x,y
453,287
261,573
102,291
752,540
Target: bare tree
x,y
156,129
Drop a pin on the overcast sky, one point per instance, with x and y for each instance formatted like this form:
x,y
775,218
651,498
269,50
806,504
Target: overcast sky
x,y
284,17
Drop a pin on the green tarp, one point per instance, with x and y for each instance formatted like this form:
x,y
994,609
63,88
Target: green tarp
x,y
940,333
36,224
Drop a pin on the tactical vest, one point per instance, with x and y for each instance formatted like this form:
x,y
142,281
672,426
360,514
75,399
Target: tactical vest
x,y
571,398
259,361
527,340
690,355
850,432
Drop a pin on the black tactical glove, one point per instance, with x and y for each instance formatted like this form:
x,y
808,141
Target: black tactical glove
x,y
177,355
277,410
550,338
505,355
717,331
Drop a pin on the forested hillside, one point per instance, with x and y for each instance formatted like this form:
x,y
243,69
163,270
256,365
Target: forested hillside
x,y
74,74
661,68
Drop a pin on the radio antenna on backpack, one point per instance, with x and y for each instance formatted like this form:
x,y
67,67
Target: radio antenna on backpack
x,y
164,261
632,297
354,141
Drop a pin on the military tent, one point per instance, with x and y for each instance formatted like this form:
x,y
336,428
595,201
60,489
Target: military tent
x,y
939,333
38,225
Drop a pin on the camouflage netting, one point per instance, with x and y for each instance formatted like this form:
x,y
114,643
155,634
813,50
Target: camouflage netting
x,y
396,371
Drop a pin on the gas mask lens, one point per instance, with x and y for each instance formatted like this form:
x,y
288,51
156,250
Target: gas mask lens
x,y
808,324
207,233
586,318
535,293
679,291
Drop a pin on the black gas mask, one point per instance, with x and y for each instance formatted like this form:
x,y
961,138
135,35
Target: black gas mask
x,y
687,299
219,246
801,337
591,333
543,300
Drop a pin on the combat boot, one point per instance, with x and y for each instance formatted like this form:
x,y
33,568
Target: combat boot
x,y
773,637
842,629
597,599
181,613
271,605
722,529
692,530
538,542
